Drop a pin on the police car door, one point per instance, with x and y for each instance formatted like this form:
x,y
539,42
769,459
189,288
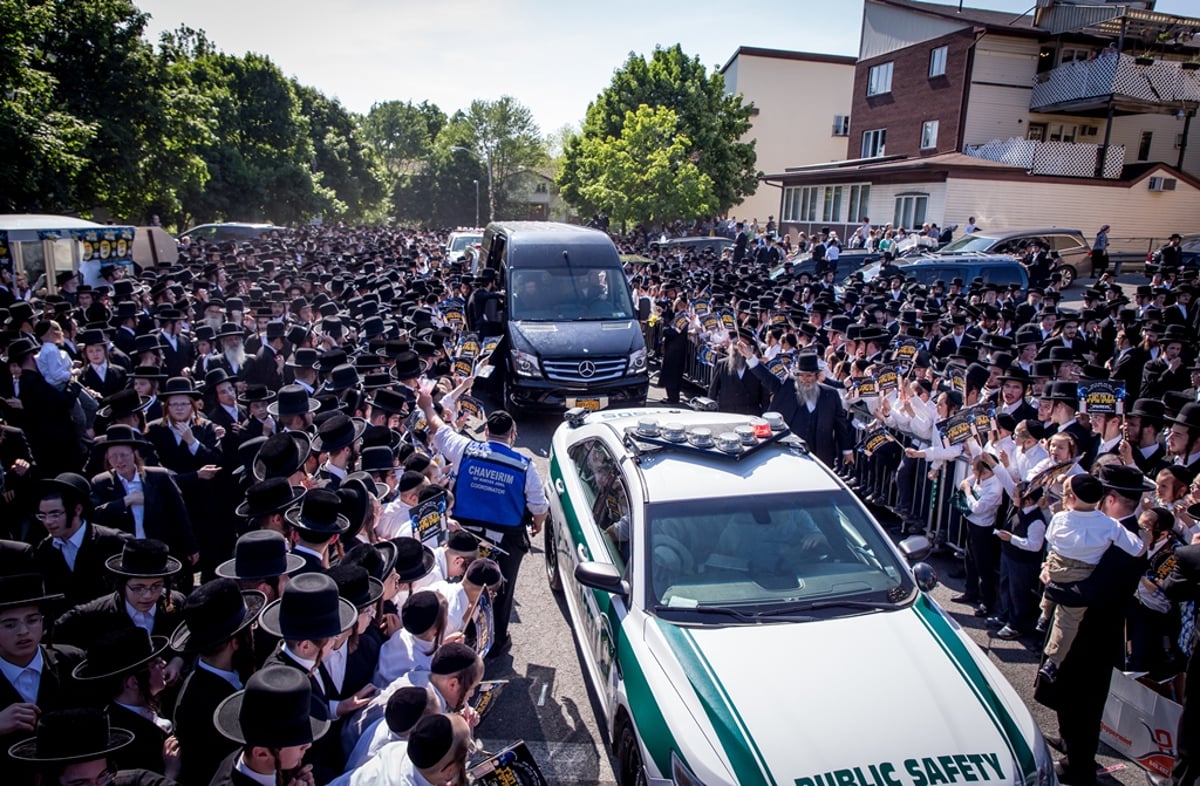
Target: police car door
x,y
603,534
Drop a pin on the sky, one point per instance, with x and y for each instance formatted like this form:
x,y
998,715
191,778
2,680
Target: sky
x,y
553,57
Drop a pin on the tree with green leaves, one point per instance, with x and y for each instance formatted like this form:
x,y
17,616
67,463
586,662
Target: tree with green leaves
x,y
401,134
342,156
712,122
645,175
502,136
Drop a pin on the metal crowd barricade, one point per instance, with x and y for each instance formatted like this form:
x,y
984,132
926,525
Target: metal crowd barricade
x,y
944,525
695,370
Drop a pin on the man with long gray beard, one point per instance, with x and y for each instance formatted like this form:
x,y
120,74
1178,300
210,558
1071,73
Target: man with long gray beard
x,y
233,350
813,411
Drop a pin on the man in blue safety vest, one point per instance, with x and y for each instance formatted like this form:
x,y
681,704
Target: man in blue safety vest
x,y
497,495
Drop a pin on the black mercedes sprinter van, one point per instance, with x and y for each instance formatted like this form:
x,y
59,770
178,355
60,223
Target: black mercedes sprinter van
x,y
570,331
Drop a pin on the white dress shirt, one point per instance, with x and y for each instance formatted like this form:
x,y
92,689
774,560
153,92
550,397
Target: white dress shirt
x,y
70,547
143,619
138,511
26,679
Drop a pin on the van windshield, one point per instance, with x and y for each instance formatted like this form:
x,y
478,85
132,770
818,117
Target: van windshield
x,y
575,293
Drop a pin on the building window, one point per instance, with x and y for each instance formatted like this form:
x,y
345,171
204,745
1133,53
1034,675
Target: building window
x,y
800,203
929,131
1036,132
1071,54
1144,146
910,210
841,125
832,210
859,197
937,61
879,79
873,142
1063,132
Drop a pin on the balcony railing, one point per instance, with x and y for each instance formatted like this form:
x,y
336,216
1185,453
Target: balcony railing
x,y
1059,159
1162,86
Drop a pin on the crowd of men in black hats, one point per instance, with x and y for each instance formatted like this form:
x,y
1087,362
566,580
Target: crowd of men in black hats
x,y
1003,395
231,488
235,548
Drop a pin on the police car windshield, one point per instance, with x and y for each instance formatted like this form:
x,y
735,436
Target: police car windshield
x,y
788,548
569,293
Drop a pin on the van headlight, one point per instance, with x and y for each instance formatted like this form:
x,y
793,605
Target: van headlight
x,y
637,360
681,775
525,364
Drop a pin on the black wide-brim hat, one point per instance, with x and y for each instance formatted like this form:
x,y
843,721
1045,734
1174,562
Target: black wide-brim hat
x,y
275,710
280,459
179,386
215,612
122,403
338,432
269,496
414,560
256,393
319,513
144,558
1188,417
123,651
24,589
1122,478
118,434
310,609
72,735
292,400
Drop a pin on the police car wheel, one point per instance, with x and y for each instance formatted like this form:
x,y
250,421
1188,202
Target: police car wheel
x,y
630,771
549,546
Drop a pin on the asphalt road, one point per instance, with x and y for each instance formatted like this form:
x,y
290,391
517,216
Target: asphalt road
x,y
548,704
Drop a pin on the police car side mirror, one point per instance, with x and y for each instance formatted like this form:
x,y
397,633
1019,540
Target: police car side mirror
x,y
925,576
601,576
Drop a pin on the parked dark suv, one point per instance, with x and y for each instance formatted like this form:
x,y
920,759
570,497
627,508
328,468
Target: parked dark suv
x,y
217,233
993,269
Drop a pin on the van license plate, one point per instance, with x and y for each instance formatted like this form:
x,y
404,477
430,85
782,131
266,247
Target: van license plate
x,y
590,404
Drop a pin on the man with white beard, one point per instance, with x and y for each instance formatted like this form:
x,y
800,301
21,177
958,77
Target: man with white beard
x,y
232,349
813,411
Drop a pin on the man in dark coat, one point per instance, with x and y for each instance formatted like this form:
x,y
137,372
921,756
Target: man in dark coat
x,y
674,353
735,389
1080,690
812,411
72,557
23,601
43,412
265,367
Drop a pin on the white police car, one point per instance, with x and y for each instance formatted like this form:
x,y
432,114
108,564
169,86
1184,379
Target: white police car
x,y
744,620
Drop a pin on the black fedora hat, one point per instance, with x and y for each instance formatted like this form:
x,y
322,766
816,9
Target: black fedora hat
x,y
74,488
143,558
24,589
276,710
293,400
1123,478
255,393
356,585
343,377
377,458
1016,374
1189,416
21,349
119,651
408,366
304,357
179,386
310,609
122,404
229,329
152,373
331,359
272,495
1149,409
1062,391
215,377
93,337
393,402
118,434
319,513
282,455
260,554
378,558
337,432
414,560
215,612
149,342
71,735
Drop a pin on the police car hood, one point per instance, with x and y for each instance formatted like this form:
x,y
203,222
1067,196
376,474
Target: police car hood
x,y
896,698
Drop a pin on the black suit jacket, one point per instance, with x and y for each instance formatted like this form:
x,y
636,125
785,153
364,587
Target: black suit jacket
x,y
57,690
146,750
261,369
114,379
201,746
177,457
227,774
827,432
85,623
176,360
166,516
1128,368
45,418
745,395
90,578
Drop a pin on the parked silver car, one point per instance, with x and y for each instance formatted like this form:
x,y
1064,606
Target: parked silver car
x,y
1073,249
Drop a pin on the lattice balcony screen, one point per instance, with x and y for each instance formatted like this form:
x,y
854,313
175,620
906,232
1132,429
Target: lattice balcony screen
x,y
1061,159
1163,82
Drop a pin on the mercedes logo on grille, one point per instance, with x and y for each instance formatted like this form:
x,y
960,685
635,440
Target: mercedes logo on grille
x,y
587,369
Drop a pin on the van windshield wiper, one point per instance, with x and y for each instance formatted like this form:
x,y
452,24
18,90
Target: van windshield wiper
x,y
873,605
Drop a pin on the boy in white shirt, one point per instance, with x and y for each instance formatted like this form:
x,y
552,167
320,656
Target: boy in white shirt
x,y
1077,539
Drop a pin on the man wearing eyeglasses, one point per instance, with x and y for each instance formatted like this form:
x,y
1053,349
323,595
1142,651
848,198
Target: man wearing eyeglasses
x,y
72,557
34,677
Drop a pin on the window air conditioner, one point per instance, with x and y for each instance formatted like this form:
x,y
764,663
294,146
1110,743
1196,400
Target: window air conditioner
x,y
1163,183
